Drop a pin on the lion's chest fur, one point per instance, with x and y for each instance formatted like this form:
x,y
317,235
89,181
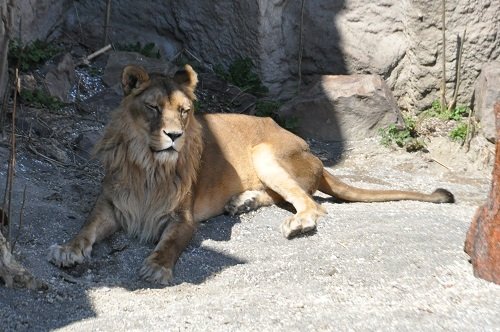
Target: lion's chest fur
x,y
143,204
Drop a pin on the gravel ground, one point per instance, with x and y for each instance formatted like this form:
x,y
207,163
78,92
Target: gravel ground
x,y
370,266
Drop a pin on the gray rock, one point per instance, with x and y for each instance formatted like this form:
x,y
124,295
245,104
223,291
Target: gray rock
x,y
38,19
85,142
118,60
486,94
339,108
60,79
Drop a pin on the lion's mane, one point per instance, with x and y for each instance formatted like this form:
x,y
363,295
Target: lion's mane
x,y
144,191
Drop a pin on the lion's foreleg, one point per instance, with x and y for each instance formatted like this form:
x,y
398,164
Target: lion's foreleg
x,y
158,267
100,224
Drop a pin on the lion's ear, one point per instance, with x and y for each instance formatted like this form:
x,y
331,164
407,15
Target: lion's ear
x,y
187,78
133,77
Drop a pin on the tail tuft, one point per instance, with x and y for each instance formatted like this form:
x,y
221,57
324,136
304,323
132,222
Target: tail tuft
x,y
443,196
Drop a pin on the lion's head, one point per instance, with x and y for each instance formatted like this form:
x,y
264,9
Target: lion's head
x,y
161,108
155,120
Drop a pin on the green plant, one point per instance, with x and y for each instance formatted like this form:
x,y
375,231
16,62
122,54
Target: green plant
x,y
459,132
30,55
241,73
267,108
270,108
455,114
394,135
40,99
402,136
148,50
459,112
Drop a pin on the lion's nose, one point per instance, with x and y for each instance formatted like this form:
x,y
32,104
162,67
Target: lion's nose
x,y
173,135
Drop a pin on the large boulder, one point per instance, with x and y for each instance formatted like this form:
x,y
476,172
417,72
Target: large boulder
x,y
483,238
342,107
486,94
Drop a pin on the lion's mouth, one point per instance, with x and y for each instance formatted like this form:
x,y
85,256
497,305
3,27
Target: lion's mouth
x,y
167,150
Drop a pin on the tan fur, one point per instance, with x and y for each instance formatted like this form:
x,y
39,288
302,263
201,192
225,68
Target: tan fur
x,y
214,163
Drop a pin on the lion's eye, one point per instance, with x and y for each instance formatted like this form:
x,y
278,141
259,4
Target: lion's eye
x,y
185,111
153,107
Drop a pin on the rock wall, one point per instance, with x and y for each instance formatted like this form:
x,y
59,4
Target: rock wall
x,y
399,40
31,19
39,19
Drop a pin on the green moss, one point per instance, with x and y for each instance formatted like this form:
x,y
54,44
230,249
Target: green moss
x,y
241,73
148,50
31,55
40,99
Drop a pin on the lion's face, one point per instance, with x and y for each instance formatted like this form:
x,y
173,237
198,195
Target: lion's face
x,y
161,109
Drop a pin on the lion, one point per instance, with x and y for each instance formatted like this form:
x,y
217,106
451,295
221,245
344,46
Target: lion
x,y
167,169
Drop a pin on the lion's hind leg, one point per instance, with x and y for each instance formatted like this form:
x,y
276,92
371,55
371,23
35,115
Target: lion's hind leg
x,y
293,176
249,200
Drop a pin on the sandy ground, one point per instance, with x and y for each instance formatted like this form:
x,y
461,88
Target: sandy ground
x,y
370,266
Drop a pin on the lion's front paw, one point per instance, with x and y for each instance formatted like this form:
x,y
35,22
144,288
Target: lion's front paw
x,y
67,255
153,272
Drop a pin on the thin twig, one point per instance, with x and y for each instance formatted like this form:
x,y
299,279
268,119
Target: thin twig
x,y
453,102
443,83
470,132
12,158
3,111
50,160
86,61
301,47
20,226
78,18
192,55
440,163
106,23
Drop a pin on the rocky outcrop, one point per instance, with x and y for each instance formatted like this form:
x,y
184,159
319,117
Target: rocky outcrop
x,y
486,94
401,41
483,238
39,19
60,78
342,107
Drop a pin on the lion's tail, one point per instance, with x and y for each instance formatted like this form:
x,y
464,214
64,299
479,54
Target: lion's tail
x,y
332,186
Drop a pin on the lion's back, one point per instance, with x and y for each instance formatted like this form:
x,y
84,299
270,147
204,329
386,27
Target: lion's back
x,y
245,131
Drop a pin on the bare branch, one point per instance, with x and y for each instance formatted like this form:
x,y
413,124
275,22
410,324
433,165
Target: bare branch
x,y
106,23
443,83
461,42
